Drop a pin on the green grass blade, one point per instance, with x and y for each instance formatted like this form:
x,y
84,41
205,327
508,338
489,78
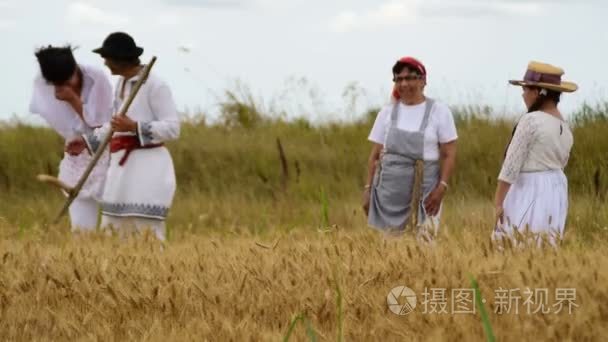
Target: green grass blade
x,y
485,318
292,326
324,208
310,331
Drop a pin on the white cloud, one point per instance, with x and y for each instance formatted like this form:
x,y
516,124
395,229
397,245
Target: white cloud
x,y
82,13
5,22
477,8
389,14
567,2
169,19
528,8
6,4
345,21
209,3
7,25
396,12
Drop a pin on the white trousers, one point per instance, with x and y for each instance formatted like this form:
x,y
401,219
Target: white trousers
x,y
129,225
83,214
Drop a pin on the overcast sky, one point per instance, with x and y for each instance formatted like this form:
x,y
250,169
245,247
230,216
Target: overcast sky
x,y
300,55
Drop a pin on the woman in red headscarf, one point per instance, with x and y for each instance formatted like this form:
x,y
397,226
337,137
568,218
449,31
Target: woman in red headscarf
x,y
412,128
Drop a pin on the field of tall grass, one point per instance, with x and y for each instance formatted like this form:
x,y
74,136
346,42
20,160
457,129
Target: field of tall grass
x,y
267,241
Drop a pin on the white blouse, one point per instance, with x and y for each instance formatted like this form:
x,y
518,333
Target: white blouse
x,y
541,142
441,127
153,108
96,103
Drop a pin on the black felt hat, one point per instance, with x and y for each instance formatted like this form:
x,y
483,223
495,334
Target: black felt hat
x,y
119,45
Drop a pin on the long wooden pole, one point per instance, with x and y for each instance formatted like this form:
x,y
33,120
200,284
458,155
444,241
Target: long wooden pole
x,y
416,193
125,107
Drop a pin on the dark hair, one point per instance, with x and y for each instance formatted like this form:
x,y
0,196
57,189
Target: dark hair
x,y
399,66
57,64
549,96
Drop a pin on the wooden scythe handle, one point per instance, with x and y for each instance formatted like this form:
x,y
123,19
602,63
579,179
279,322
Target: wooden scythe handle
x,y
416,192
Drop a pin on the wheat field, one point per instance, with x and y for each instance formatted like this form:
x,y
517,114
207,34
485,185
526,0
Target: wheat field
x,y
267,242
249,287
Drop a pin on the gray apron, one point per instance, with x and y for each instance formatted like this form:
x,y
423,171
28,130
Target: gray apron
x,y
391,192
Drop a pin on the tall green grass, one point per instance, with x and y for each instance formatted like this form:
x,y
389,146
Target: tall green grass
x,y
231,173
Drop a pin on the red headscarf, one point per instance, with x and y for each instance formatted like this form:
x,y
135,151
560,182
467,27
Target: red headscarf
x,y
414,63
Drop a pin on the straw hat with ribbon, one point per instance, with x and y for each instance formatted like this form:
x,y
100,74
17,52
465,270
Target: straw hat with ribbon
x,y
546,76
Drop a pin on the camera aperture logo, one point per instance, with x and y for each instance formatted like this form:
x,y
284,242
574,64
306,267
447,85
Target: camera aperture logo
x,y
401,300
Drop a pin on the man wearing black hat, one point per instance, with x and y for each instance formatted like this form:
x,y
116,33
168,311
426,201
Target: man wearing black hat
x,y
140,182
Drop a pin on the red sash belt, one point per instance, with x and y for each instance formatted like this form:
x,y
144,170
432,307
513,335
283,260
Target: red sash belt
x,y
127,143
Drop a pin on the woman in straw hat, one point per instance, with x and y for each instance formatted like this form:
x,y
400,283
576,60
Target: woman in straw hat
x,y
412,129
532,194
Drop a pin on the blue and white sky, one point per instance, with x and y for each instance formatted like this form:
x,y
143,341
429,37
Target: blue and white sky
x,y
301,55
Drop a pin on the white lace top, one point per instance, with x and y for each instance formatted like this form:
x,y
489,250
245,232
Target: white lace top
x,y
153,109
541,142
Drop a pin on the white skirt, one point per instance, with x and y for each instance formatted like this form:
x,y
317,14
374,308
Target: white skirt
x,y
143,187
537,204
71,168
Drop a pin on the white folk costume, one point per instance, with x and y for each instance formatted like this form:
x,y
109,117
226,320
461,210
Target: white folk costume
x,y
537,201
538,198
141,179
97,110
